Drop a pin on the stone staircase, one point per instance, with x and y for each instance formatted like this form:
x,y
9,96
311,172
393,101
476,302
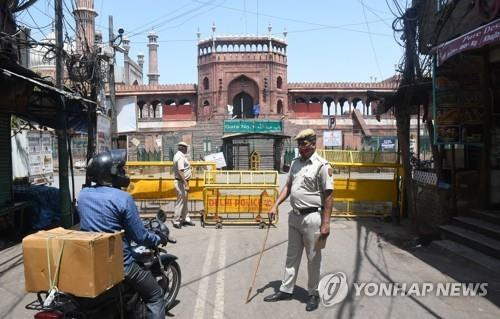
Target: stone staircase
x,y
475,236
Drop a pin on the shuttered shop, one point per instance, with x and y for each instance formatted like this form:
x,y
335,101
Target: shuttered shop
x,y
5,160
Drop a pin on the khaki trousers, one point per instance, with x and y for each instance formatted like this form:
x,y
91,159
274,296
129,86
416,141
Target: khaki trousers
x,y
181,213
303,231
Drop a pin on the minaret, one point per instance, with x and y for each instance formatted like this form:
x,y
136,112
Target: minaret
x,y
140,60
153,74
126,61
85,25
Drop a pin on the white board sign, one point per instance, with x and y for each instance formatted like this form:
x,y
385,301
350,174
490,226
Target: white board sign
x,y
218,158
332,138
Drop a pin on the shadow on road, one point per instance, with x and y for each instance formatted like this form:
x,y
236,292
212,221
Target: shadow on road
x,y
299,293
371,248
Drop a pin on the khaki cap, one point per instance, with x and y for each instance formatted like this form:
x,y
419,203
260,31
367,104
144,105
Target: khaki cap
x,y
305,134
182,144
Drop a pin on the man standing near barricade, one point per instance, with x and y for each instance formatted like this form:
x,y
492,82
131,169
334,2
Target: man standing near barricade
x,y
310,186
182,171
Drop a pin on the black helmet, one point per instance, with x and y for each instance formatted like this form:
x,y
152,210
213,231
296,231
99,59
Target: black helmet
x,y
106,169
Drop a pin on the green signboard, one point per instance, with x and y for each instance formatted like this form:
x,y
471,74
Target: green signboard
x,y
253,126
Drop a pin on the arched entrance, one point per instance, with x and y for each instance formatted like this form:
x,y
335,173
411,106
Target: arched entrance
x,y
242,93
243,106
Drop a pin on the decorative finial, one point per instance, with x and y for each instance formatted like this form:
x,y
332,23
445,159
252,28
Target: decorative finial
x,y
285,32
213,27
198,33
269,27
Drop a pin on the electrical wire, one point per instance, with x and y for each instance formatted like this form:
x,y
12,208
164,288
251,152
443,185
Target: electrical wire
x,y
36,24
189,18
291,19
150,24
374,13
245,15
371,41
168,20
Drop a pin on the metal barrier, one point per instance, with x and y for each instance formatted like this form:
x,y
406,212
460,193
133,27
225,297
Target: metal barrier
x,y
365,183
341,156
152,183
238,197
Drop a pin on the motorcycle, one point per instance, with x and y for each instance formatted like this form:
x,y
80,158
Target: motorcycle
x,y
121,301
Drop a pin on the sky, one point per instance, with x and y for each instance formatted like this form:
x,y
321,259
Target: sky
x,y
328,40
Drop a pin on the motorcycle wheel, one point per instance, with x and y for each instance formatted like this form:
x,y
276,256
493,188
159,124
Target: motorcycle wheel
x,y
170,282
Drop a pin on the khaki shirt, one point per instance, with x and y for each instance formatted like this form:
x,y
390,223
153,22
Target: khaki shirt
x,y
181,164
308,180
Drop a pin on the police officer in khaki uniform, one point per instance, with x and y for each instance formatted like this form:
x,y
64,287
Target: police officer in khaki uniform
x,y
182,171
310,186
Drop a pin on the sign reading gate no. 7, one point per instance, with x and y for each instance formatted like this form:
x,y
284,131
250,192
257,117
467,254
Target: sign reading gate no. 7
x,y
332,138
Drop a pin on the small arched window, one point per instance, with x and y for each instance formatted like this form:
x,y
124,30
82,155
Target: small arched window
x,y
279,82
205,83
279,107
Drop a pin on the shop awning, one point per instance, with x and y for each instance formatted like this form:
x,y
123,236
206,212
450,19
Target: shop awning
x,y
37,100
475,39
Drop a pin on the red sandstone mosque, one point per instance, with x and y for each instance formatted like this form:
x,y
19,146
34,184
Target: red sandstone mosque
x,y
241,104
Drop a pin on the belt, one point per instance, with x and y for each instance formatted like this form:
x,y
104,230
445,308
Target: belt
x,y
306,211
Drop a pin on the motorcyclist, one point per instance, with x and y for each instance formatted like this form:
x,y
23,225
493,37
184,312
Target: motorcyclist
x,y
104,207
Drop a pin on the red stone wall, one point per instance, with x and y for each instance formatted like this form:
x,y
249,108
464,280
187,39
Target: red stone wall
x,y
308,110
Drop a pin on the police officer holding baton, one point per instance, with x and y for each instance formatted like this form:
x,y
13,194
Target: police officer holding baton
x,y
310,187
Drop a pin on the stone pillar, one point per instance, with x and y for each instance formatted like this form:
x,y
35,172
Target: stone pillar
x,y
153,74
85,25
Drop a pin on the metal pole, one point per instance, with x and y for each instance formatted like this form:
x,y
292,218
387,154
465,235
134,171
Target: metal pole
x,y
111,80
62,140
418,133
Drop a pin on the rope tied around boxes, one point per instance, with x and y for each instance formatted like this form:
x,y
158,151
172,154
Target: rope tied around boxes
x,y
53,281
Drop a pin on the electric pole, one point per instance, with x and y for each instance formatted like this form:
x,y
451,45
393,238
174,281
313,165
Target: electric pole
x,y
62,139
111,80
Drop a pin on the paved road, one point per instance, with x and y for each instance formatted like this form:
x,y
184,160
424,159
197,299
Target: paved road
x,y
217,266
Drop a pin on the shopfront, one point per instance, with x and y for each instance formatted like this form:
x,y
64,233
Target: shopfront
x,y
466,90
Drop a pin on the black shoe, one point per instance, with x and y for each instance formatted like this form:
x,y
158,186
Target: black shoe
x,y
189,223
177,225
277,296
312,303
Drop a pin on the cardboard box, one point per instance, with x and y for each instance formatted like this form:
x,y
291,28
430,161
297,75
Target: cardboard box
x,y
89,263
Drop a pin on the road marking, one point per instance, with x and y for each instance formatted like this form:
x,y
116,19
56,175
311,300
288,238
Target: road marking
x,y
199,308
219,281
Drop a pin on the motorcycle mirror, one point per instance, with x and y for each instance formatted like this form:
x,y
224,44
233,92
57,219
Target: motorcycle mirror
x,y
161,216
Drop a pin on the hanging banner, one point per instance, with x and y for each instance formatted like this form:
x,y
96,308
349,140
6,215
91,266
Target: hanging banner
x,y
126,117
103,133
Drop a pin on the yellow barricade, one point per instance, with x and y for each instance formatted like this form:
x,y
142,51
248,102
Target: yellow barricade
x,y
366,189
154,181
242,178
365,183
239,197
360,157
